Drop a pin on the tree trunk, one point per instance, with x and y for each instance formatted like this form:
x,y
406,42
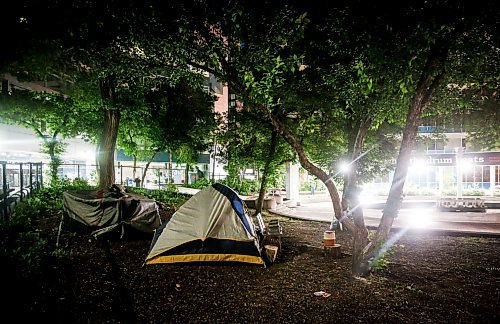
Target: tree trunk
x,y
430,78
55,161
107,149
147,167
134,169
294,143
186,173
50,145
350,199
107,144
267,167
313,169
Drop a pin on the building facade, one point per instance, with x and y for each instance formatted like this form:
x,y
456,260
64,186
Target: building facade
x,y
447,166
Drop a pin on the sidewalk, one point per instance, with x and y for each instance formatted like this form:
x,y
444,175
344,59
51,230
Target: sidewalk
x,y
420,216
409,219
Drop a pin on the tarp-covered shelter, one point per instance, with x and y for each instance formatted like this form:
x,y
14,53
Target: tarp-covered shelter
x,y
113,209
212,226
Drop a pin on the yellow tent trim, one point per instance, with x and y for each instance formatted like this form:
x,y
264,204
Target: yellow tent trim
x,y
201,238
206,257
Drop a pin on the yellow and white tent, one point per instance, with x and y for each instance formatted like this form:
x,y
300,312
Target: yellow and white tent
x,y
212,226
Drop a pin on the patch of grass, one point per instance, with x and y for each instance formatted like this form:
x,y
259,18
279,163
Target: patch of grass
x,y
382,260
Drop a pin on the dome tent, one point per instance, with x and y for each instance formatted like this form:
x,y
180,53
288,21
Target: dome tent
x,y
212,226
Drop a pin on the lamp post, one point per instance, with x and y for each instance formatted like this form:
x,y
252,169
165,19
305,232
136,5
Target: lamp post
x,y
459,171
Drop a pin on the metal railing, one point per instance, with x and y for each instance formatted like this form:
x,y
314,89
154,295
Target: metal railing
x,y
18,182
20,179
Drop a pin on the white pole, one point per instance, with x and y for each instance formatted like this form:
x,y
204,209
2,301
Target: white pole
x,y
459,171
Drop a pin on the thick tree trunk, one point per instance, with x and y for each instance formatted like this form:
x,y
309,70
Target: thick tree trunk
x,y
107,149
267,167
430,79
107,143
350,199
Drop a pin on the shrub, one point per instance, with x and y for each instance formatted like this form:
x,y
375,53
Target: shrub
x,y
200,183
23,247
25,251
170,197
247,187
382,261
473,192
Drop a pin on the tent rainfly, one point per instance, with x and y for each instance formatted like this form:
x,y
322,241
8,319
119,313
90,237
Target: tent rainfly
x,y
105,212
212,226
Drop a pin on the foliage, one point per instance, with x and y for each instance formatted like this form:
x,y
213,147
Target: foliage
x,y
201,183
94,51
244,187
179,119
382,260
248,187
50,116
276,178
169,197
473,192
23,245
45,202
25,250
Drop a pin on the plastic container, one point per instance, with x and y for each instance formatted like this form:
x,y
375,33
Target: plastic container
x,y
329,238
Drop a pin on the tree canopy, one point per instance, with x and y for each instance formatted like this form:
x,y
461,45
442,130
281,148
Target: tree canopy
x,y
337,82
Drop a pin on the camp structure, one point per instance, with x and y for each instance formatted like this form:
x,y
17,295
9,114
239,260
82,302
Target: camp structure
x,y
212,226
103,212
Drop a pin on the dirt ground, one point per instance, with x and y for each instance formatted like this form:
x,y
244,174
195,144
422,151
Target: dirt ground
x,y
438,279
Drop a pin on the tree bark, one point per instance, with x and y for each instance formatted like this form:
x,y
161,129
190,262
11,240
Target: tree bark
x,y
350,199
107,143
313,169
430,79
267,166
147,167
54,160
186,173
134,169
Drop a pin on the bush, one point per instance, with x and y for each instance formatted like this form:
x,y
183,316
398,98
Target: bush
x,y
247,187
473,192
23,246
412,191
170,197
199,184
28,251
23,249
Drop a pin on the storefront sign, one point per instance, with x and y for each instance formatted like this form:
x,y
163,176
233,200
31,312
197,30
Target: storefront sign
x,y
478,158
